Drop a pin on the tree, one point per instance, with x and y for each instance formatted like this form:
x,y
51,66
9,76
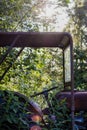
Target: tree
x,y
77,26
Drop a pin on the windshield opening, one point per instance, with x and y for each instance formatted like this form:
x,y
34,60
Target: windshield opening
x,y
67,65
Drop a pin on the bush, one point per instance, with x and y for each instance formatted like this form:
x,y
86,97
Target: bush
x,y
59,117
13,112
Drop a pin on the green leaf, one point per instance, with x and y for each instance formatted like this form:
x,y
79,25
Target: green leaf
x,y
9,119
67,1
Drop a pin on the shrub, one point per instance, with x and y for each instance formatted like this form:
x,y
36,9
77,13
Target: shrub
x,y
12,112
59,117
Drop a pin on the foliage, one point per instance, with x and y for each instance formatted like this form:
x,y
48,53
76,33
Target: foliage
x,y
80,68
9,11
18,15
77,26
13,112
29,15
33,70
59,117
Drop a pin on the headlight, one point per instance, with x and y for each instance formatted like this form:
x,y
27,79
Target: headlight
x,y
35,127
36,118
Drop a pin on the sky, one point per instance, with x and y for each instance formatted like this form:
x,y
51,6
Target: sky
x,y
61,15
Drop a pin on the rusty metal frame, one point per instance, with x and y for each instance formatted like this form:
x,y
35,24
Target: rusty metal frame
x,y
66,84
40,39
72,82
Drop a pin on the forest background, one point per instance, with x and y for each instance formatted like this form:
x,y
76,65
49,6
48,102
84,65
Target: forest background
x,y
37,69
